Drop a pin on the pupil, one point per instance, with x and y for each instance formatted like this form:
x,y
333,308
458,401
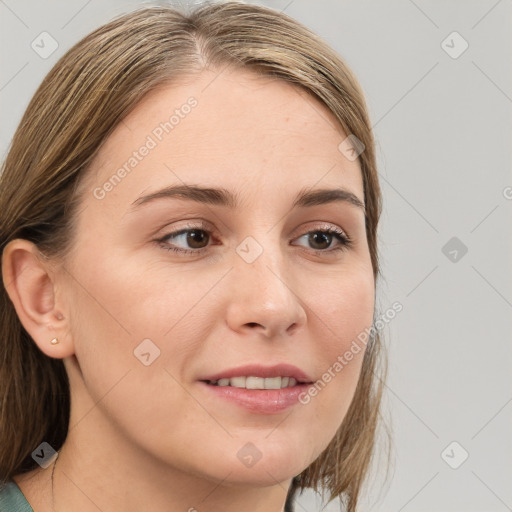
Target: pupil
x,y
325,236
195,236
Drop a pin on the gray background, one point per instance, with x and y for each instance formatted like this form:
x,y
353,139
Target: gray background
x,y
443,129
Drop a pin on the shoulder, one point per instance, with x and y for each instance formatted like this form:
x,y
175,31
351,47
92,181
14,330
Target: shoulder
x,y
12,499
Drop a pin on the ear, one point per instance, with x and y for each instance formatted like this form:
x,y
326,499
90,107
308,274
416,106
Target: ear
x,y
29,281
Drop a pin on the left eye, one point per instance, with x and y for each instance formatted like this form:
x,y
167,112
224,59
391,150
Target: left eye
x,y
197,237
325,236
194,237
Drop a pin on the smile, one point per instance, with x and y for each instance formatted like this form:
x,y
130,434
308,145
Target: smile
x,y
256,382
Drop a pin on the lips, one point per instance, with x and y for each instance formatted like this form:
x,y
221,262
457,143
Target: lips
x,y
255,399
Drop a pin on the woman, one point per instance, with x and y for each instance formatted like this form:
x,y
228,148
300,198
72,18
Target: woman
x,y
188,222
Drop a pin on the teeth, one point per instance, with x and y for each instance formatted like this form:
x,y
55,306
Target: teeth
x,y
237,382
257,382
272,382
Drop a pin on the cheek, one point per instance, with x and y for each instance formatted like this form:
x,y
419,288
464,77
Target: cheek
x,y
346,309
125,322
113,312
127,301
342,320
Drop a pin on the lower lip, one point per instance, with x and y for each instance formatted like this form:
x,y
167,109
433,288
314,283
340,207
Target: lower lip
x,y
262,401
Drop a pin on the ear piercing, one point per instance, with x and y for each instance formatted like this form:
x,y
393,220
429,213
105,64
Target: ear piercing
x,y
55,340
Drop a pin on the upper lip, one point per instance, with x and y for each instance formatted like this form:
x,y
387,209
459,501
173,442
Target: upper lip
x,y
257,370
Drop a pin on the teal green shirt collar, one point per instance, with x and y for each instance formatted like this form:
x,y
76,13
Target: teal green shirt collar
x,y
12,499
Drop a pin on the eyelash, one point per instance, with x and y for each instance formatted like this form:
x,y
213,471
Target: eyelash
x,y
345,241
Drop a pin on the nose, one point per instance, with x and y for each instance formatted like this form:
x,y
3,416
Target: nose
x,y
263,296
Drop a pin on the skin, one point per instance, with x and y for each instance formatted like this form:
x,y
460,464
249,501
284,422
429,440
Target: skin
x,y
152,434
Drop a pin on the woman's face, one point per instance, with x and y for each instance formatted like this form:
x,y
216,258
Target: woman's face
x,y
256,280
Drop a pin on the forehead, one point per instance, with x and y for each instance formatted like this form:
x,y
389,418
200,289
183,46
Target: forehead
x,y
245,131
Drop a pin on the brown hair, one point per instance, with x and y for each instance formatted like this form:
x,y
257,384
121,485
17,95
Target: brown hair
x,y
78,104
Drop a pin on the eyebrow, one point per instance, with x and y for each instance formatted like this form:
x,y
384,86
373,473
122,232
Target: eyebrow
x,y
223,197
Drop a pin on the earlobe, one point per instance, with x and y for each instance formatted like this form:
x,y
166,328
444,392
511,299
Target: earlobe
x,y
29,282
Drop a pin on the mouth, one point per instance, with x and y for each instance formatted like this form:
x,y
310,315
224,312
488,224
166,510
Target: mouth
x,y
253,382
258,389
258,376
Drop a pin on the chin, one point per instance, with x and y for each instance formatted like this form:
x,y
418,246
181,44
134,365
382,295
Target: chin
x,y
262,472
273,466
261,476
